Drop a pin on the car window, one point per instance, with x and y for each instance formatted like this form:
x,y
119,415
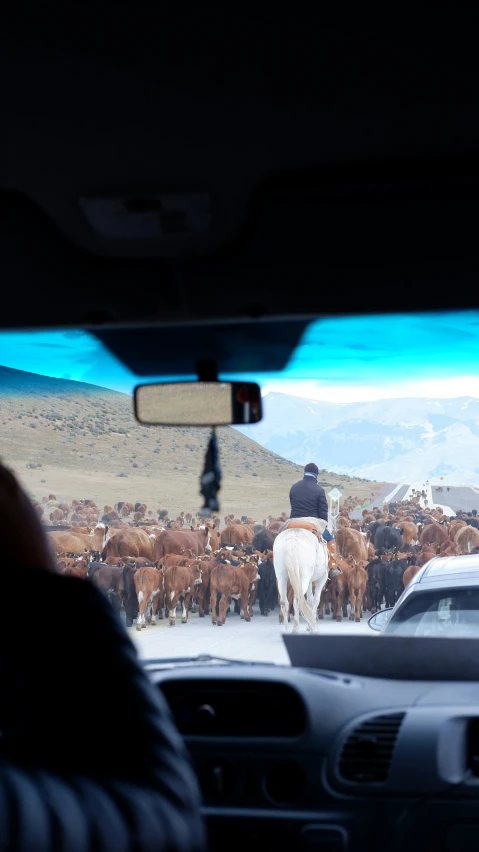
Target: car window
x,y
438,614
384,408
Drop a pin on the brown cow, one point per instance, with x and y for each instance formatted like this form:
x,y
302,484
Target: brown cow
x,y
425,554
236,534
410,573
325,601
76,542
351,543
180,581
408,531
357,580
228,581
178,541
448,549
201,594
129,542
454,528
175,558
130,566
433,534
214,536
466,539
147,585
73,567
339,588
250,567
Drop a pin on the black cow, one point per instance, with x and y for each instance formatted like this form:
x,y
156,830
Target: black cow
x,y
109,579
376,573
130,600
267,588
393,584
373,528
387,538
263,540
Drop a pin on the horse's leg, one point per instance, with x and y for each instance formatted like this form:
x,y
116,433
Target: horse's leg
x,y
284,605
282,583
296,615
317,597
321,605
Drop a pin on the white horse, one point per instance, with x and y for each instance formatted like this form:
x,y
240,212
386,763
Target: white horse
x,y
301,558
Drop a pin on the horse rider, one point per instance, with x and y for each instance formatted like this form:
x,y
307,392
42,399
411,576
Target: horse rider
x,y
308,500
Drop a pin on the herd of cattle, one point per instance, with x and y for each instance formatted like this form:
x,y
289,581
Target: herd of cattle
x,y
150,564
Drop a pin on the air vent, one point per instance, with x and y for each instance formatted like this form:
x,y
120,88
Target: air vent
x,y
368,750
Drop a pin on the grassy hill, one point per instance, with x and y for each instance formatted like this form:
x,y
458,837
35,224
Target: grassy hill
x,y
82,441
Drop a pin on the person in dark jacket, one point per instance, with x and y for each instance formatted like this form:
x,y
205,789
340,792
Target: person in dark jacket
x,y
89,755
308,500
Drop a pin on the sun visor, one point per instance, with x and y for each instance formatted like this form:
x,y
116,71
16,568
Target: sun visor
x,y
259,347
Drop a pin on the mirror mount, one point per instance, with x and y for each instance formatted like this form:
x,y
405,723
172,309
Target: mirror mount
x,y
207,371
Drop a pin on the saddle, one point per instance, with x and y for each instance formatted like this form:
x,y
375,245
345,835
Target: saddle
x,y
303,525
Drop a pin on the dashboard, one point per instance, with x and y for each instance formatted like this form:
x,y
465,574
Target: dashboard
x,y
329,761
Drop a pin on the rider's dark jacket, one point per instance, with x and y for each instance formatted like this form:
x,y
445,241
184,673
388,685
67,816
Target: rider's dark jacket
x,y
308,499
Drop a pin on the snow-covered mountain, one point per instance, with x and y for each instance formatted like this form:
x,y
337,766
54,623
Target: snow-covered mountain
x,y
387,440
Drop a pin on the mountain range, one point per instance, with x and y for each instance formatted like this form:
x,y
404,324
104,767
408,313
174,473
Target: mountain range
x,y
79,440
389,439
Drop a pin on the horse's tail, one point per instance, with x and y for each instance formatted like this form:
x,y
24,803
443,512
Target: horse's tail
x,y
292,566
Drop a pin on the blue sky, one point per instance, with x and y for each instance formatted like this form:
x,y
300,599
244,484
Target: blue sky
x,y
341,359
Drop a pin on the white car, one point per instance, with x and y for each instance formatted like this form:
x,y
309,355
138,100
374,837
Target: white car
x,y
441,600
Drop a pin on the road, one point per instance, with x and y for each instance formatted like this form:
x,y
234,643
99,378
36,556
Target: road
x,y
458,497
259,640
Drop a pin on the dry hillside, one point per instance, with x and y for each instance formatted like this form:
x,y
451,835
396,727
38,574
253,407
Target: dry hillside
x,y
79,440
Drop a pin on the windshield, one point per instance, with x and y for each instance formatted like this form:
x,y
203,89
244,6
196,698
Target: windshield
x,y
451,613
383,409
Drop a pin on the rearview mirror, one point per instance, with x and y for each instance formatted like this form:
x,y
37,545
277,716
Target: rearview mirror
x,y
198,404
379,620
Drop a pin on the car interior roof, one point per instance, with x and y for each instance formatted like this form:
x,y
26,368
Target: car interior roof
x,y
266,161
